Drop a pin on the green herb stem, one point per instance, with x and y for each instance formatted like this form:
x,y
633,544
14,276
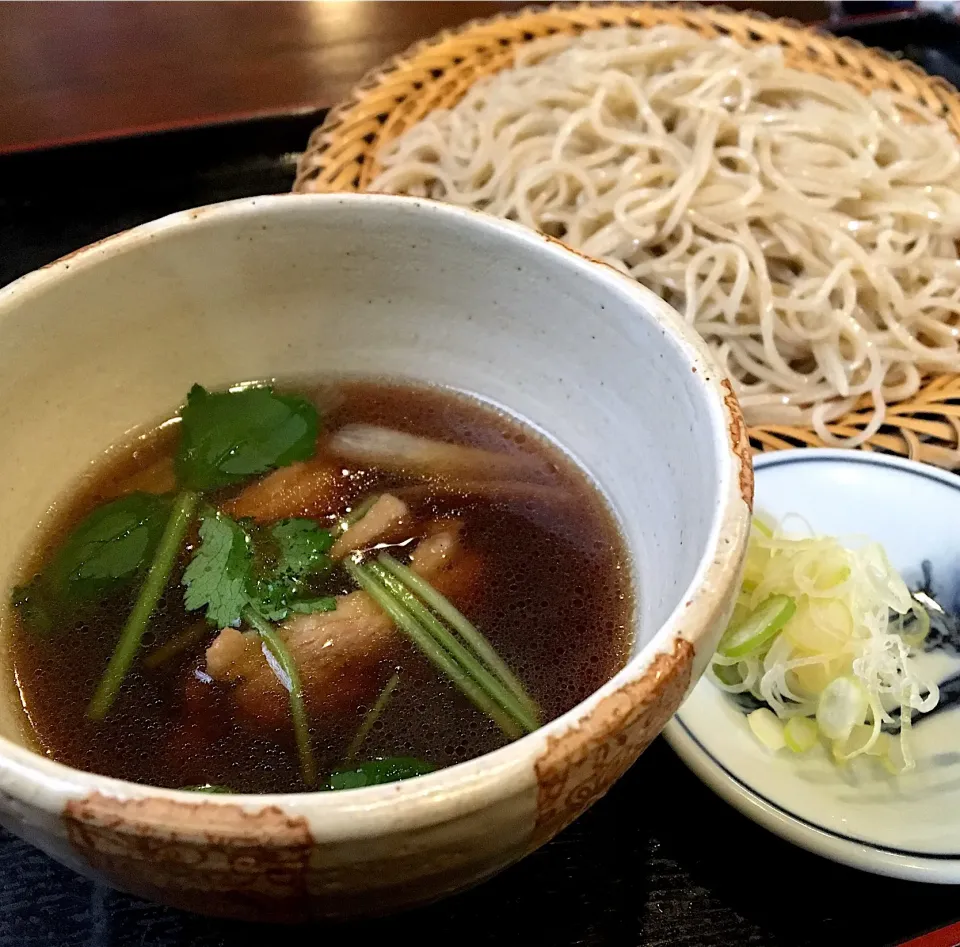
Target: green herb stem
x,y
156,581
462,655
467,630
298,712
372,716
436,654
179,643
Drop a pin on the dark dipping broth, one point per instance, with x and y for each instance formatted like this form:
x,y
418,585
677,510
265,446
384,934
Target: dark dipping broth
x,y
537,565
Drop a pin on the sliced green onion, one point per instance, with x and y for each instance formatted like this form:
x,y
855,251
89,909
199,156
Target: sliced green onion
x,y
832,580
740,611
372,716
845,656
729,674
298,712
466,659
800,734
842,706
765,621
767,728
470,634
861,740
437,655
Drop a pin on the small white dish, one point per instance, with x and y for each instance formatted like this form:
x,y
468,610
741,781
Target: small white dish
x,y
908,826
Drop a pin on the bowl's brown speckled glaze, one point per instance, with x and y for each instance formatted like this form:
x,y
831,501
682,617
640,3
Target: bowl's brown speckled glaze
x,y
97,343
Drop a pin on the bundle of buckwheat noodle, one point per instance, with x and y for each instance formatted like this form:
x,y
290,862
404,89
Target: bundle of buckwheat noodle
x,y
807,230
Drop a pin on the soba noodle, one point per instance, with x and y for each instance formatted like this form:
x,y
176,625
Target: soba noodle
x,y
807,230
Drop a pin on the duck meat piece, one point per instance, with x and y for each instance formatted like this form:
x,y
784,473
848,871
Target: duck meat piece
x,y
308,488
385,521
343,656
452,569
340,657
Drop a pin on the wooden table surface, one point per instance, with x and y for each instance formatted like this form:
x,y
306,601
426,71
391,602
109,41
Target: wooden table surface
x,y
73,71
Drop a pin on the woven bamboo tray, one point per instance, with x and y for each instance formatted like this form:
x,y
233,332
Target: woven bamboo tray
x,y
341,155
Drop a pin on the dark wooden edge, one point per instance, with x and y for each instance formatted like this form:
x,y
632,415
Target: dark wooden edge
x,y
142,160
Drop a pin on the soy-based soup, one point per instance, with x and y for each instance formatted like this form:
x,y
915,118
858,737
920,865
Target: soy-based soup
x,y
317,588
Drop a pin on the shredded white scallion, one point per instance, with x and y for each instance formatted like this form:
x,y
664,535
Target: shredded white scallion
x,y
843,662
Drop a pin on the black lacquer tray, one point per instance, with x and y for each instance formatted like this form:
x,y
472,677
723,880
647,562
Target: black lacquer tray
x,y
660,861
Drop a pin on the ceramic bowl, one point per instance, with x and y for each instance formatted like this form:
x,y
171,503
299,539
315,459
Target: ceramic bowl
x,y
99,342
905,826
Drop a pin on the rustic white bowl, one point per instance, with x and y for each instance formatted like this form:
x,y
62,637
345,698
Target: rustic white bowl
x,y
102,341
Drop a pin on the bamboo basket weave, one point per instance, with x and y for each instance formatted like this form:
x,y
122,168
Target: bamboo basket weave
x,y
341,154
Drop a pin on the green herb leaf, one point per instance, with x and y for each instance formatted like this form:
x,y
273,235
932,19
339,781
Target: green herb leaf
x,y
275,599
270,598
109,548
229,436
307,606
376,772
218,577
221,579
302,547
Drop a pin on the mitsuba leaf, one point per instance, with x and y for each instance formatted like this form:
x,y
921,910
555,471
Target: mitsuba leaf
x,y
219,575
229,436
223,575
276,599
106,552
376,772
302,546
108,549
307,606
271,598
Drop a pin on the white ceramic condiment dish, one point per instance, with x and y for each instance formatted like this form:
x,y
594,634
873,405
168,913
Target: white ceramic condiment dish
x,y
906,826
103,341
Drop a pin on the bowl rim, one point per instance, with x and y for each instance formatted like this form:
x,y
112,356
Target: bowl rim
x,y
46,784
